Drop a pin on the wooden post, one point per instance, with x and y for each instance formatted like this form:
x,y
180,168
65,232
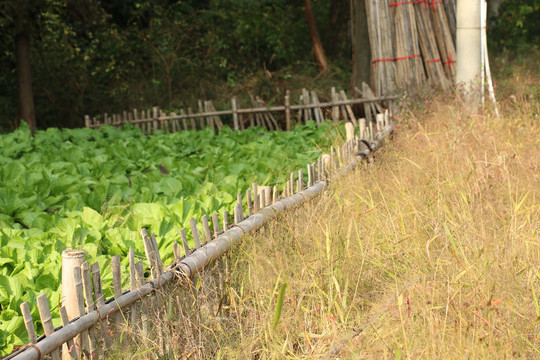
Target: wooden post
x,y
117,283
46,321
86,121
275,194
71,259
267,194
310,179
234,104
291,185
84,343
288,110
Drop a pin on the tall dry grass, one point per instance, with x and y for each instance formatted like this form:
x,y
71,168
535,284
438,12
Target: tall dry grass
x,y
431,251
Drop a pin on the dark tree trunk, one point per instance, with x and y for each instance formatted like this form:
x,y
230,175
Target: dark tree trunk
x,y
24,80
317,45
338,43
361,54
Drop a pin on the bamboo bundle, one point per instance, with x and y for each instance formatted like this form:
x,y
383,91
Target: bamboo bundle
x,y
450,6
444,38
409,67
428,46
382,53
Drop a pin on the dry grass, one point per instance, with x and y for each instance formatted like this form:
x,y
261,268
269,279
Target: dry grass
x,y
432,251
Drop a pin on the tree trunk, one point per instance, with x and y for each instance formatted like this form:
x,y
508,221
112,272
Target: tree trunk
x,y
317,45
361,53
24,80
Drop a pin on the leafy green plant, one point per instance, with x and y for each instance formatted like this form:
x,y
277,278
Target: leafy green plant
x,y
95,189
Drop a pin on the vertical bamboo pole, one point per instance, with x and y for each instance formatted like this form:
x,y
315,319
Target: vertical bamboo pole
x,y
133,287
184,241
288,110
71,259
90,305
310,179
300,181
139,271
225,220
206,227
215,222
255,198
155,117
335,108
46,321
28,322
77,280
117,284
249,205
69,351
195,233
234,104
275,194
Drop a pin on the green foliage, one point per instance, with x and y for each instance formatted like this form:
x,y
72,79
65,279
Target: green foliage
x,y
517,26
95,189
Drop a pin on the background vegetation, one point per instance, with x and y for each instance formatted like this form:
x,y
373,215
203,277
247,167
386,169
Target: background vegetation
x,y
90,56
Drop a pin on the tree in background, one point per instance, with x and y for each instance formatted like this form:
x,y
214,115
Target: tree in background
x,y
361,53
317,45
16,17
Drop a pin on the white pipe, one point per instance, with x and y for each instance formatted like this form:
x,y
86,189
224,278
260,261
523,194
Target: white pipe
x,y
194,262
468,44
485,56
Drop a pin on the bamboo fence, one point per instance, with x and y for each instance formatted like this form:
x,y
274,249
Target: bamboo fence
x,y
88,318
309,107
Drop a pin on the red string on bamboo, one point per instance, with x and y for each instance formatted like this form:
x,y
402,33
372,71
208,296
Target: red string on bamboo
x,y
396,59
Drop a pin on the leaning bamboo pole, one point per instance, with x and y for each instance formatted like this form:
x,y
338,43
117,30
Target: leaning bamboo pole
x,y
188,267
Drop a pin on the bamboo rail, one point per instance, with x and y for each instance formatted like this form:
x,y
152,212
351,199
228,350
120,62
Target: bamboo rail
x,y
310,110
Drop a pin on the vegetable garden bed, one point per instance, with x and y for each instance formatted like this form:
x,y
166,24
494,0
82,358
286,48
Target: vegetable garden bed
x,y
95,189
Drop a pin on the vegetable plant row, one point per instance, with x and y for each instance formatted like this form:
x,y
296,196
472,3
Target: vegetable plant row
x,y
95,189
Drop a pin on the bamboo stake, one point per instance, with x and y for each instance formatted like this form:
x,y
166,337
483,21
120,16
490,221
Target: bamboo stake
x,y
28,322
46,321
335,109
215,222
234,104
288,110
255,198
148,249
195,233
68,351
185,242
144,315
300,185
84,340
157,256
133,286
90,305
71,259
275,194
206,227
225,220
117,284
348,107
249,204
